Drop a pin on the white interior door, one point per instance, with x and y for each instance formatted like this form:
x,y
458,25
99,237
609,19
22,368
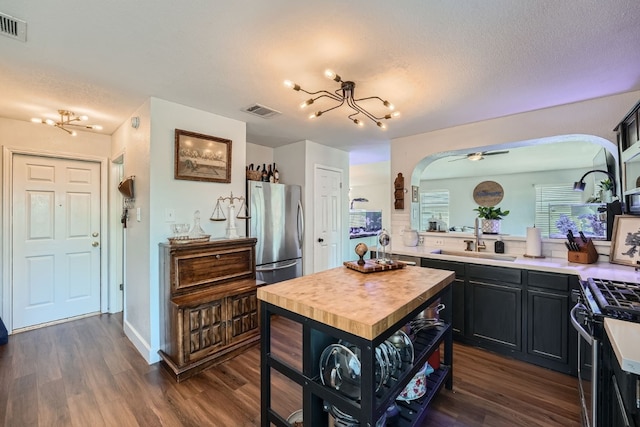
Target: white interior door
x,y
56,239
327,219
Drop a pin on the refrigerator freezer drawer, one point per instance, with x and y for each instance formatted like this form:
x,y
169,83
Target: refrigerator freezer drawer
x,y
279,271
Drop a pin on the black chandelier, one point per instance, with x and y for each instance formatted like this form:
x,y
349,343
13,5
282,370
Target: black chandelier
x,y
344,95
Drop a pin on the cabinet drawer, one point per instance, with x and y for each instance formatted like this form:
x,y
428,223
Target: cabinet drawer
x,y
208,268
457,267
557,282
495,274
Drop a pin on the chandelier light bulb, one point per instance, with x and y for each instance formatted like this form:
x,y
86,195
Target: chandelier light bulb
x,y
49,122
306,103
381,125
389,105
84,118
291,85
34,120
331,75
73,133
358,122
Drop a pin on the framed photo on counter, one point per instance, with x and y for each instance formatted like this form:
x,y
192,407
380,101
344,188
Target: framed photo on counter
x,y
201,157
625,240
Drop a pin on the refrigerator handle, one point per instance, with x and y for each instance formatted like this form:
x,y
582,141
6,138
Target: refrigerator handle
x,y
300,224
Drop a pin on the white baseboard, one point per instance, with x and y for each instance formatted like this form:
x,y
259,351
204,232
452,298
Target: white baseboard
x,y
151,356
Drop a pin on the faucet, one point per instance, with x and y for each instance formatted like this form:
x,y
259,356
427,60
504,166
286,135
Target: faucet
x,y
476,234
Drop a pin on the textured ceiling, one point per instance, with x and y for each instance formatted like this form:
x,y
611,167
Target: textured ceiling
x,y
441,63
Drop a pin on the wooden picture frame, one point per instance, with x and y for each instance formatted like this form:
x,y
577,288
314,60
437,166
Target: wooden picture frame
x,y
625,240
414,194
201,157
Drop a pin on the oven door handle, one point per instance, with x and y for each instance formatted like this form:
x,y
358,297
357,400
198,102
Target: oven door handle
x,y
578,327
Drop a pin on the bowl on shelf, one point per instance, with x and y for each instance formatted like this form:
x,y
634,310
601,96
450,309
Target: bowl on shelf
x,y
295,419
417,387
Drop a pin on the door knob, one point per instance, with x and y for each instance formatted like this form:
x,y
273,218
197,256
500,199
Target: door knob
x,y
320,240
95,244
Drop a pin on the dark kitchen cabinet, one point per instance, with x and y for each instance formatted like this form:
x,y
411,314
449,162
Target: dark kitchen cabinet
x,y
495,298
618,391
520,313
628,139
627,129
551,341
456,314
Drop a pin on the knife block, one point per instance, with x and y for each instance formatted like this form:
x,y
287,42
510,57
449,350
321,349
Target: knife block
x,y
586,255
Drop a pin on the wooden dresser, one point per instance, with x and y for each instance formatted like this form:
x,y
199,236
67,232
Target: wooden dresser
x,y
208,306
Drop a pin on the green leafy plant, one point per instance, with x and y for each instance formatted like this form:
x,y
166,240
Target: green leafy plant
x,y
490,212
606,184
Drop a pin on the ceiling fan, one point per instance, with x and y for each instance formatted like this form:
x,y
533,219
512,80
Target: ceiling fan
x,y
479,155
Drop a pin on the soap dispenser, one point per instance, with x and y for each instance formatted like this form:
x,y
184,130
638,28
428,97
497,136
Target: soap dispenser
x,y
498,246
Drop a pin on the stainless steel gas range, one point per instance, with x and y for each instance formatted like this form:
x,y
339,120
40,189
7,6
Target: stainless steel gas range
x,y
597,299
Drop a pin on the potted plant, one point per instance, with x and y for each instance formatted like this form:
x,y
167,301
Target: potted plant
x,y
491,217
606,190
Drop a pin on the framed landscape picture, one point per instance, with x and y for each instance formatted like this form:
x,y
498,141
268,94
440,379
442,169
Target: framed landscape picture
x,y
625,240
201,157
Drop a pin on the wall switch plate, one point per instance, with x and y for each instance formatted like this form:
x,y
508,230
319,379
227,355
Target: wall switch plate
x,y
169,215
138,215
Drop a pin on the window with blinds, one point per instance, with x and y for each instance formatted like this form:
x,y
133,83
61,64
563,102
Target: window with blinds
x,y
434,205
559,195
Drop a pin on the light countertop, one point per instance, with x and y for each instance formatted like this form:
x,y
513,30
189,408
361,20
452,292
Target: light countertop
x,y
364,304
600,269
625,340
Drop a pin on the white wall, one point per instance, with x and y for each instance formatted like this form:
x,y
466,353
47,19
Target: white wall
x,y
149,155
259,155
297,162
595,117
373,182
17,135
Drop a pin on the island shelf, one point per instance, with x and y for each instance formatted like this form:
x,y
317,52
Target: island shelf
x,y
408,292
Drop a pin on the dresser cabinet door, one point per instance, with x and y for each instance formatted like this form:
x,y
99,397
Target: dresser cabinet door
x,y
204,330
244,316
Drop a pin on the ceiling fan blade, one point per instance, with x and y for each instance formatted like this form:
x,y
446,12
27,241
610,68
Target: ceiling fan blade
x,y
461,158
491,153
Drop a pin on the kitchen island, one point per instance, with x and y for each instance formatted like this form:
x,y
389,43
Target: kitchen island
x,y
365,310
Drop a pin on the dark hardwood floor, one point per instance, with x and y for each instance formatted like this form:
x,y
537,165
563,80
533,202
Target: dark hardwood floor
x,y
87,373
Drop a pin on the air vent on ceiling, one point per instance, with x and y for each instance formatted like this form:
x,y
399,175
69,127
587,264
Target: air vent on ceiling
x,y
13,27
261,111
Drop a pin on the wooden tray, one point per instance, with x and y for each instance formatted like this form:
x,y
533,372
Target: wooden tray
x,y
181,241
370,266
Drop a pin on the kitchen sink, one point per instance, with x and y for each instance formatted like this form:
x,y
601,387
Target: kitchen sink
x,y
470,254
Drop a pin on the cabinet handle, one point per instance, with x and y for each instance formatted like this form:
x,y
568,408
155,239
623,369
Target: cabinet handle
x,y
217,256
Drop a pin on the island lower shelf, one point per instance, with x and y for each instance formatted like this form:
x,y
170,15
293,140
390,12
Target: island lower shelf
x,y
372,406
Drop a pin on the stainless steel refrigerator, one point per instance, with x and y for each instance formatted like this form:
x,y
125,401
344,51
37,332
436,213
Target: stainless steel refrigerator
x,y
277,221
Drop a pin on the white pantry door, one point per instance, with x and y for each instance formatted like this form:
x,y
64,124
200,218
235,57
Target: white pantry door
x,y
327,219
56,240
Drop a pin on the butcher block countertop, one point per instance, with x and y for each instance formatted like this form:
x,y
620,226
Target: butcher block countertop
x,y
362,304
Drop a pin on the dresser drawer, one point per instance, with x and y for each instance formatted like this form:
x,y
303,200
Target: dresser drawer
x,y
207,268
